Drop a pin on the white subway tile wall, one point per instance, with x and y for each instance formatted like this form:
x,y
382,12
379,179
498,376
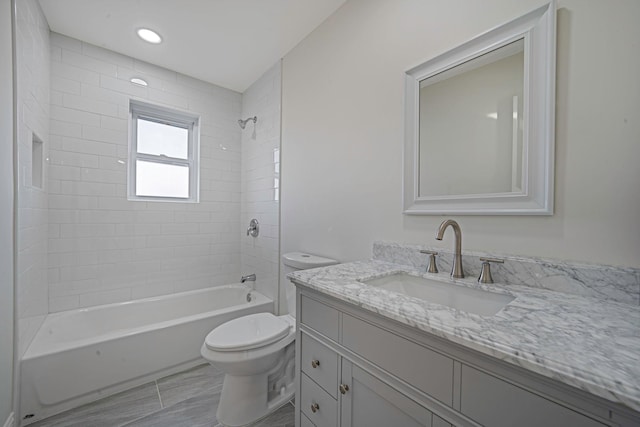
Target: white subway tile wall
x,y
260,170
104,248
33,64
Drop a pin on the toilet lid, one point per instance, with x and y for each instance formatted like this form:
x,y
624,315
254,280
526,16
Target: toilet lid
x,y
248,332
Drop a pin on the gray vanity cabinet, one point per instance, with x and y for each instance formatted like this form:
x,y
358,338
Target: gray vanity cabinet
x,y
357,369
354,397
334,391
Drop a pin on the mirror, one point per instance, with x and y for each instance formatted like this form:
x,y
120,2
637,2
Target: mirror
x,y
486,94
479,124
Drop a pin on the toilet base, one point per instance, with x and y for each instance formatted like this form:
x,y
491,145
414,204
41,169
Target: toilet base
x,y
248,398
244,400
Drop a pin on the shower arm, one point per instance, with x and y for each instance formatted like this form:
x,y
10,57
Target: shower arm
x,y
244,122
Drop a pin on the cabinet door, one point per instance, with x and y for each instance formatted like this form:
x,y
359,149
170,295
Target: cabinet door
x,y
439,422
371,403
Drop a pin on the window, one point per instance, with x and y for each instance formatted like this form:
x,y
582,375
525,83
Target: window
x,y
163,154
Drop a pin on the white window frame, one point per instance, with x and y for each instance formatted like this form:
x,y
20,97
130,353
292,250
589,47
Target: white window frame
x,y
158,114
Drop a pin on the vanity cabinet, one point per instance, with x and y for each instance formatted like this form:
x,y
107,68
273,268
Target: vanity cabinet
x,y
359,400
335,391
356,369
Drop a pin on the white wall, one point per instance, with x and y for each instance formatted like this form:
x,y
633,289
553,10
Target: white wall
x,y
102,247
343,131
32,61
6,212
260,177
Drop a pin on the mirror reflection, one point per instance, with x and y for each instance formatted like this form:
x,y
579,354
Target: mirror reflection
x,y
471,126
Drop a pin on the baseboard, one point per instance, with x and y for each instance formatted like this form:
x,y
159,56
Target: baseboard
x,y
9,422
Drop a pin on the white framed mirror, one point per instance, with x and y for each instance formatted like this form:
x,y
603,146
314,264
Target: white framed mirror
x,y
480,124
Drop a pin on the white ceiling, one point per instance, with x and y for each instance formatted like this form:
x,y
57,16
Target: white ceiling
x,y
230,43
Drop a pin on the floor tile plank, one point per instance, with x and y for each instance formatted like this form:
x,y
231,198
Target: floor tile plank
x,y
108,412
191,383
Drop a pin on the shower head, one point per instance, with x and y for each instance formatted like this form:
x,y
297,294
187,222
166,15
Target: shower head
x,y
244,122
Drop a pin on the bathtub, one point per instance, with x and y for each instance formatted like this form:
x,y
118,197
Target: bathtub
x,y
82,355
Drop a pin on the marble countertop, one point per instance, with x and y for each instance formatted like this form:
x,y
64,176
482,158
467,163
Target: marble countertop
x,y
581,341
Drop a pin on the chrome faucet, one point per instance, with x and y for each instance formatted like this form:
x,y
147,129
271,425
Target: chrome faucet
x,y
248,278
456,270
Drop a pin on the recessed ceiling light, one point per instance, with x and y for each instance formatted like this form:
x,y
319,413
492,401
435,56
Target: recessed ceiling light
x,y
149,35
138,81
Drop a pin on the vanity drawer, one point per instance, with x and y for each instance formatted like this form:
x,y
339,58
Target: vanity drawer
x,y
424,368
320,317
313,396
320,363
494,402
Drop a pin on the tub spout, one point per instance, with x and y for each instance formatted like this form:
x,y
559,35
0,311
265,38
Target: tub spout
x,y
248,278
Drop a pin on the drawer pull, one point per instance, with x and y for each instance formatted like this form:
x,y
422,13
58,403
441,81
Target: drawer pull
x,y
315,363
344,388
315,407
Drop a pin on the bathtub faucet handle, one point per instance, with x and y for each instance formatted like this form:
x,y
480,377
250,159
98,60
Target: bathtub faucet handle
x,y
254,228
248,278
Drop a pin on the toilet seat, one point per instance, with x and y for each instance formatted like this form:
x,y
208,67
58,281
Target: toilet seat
x,y
248,332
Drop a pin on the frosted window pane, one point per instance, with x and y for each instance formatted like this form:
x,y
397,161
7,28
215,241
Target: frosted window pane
x,y
161,180
158,138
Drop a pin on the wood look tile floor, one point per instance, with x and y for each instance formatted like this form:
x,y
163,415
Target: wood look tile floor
x,y
186,399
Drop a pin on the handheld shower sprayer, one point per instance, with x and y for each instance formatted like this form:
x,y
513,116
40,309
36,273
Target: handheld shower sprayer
x,y
243,123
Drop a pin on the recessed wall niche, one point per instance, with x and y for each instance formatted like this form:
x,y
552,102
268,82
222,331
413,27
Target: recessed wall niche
x,y
36,161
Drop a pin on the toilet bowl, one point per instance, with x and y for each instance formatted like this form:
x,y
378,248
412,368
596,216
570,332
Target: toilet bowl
x,y
256,353
252,352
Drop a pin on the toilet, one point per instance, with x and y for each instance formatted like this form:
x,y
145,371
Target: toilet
x,y
256,354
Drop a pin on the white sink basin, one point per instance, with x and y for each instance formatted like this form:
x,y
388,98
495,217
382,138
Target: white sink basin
x,y
462,298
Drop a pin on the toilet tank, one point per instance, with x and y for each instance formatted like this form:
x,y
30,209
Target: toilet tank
x,y
294,261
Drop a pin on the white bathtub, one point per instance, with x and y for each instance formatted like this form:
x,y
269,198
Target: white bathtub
x,y
83,355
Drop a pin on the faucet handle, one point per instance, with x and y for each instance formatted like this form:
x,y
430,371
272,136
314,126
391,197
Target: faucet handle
x,y
498,260
254,228
432,268
485,273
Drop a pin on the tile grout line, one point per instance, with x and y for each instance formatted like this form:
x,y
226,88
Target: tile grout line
x,y
159,397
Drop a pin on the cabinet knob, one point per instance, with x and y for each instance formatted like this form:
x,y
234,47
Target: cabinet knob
x,y
315,363
315,407
344,388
